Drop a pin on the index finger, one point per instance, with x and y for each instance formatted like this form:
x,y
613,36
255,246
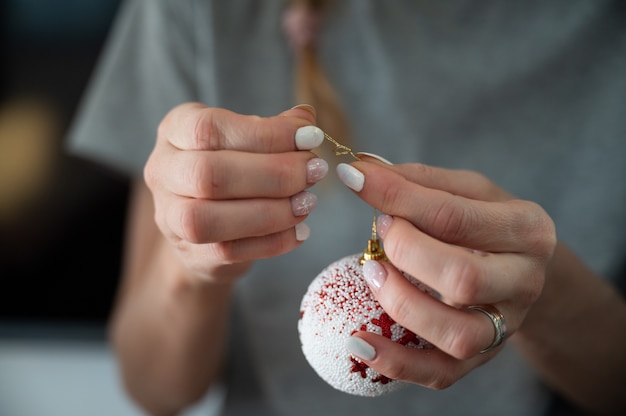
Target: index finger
x,y
194,126
460,182
497,226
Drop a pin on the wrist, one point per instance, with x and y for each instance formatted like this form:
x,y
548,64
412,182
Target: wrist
x,y
178,279
219,280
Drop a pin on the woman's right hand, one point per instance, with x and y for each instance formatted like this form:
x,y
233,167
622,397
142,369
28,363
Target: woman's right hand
x,y
230,188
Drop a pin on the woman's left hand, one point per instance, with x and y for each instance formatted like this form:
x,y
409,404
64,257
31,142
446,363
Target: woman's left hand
x,y
467,239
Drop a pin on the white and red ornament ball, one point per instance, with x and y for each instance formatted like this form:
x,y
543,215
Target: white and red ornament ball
x,y
338,303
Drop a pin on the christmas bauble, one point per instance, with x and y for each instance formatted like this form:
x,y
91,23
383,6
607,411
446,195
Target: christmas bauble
x,y
337,304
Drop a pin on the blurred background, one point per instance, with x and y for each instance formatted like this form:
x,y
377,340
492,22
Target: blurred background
x,y
61,218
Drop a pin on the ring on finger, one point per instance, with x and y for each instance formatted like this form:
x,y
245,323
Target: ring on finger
x,y
499,324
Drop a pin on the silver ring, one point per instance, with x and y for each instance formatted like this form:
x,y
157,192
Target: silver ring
x,y
499,324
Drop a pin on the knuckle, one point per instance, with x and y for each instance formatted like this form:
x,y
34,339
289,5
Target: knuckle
x,y
272,127
190,222
547,240
206,131
532,287
537,227
284,178
421,170
226,252
170,120
150,174
463,280
205,178
535,289
451,221
531,294
400,308
391,199
461,342
280,243
421,173
441,381
397,370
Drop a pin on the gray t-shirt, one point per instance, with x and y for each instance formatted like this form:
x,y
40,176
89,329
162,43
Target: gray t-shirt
x,y
531,94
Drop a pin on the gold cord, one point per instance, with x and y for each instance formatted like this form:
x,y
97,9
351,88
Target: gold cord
x,y
341,149
374,249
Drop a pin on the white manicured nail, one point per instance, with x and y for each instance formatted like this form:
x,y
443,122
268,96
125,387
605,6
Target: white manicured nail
x,y
373,156
302,231
360,348
351,176
309,137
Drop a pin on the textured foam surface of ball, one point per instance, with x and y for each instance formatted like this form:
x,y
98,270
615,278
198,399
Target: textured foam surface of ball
x,y
338,303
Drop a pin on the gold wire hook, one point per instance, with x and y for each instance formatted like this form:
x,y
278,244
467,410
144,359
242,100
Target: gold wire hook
x,y
340,149
374,250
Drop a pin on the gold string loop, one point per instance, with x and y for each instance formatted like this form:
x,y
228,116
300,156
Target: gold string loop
x,y
374,249
340,149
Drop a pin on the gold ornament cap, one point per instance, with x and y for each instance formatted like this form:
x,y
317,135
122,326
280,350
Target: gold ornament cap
x,y
374,250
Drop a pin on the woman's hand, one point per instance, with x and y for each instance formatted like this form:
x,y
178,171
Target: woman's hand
x,y
229,188
467,239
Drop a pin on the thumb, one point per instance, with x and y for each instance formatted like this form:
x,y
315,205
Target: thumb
x,y
308,136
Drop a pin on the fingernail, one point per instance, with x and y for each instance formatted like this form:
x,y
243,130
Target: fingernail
x,y
383,222
309,137
361,349
316,170
374,274
303,203
373,156
302,231
350,176
307,107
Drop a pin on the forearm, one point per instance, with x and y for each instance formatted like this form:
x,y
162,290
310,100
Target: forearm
x,y
575,336
170,335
